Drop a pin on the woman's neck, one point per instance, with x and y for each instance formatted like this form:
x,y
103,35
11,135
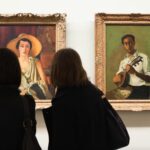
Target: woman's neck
x,y
24,58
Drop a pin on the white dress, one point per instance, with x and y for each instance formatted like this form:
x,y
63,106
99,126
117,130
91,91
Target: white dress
x,y
32,83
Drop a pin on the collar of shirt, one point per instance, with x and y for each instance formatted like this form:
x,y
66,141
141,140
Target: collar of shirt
x,y
131,57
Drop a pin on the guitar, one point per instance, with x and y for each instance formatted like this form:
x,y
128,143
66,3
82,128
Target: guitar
x,y
125,76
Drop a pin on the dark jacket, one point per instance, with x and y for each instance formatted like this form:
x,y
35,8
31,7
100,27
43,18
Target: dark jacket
x,y
76,120
11,118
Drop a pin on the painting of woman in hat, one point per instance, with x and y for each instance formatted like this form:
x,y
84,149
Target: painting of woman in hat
x,y
27,47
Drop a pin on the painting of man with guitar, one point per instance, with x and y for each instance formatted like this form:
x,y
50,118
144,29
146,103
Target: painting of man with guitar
x,y
134,70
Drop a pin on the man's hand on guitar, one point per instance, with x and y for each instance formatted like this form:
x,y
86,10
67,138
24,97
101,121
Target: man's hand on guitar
x,y
130,69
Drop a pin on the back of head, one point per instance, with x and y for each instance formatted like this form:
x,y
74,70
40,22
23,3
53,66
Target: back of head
x,y
67,69
10,69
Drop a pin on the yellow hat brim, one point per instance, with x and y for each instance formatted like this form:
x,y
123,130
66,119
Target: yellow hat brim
x,y
36,44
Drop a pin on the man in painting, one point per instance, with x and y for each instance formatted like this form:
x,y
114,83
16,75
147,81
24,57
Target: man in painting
x,y
134,70
33,81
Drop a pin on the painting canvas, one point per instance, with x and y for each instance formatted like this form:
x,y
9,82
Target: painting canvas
x,y
47,35
110,28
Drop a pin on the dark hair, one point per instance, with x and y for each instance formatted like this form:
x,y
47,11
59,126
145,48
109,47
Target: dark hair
x,y
126,36
67,69
10,71
25,40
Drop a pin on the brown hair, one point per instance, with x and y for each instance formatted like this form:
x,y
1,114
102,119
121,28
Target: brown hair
x,y
10,68
127,36
67,69
25,40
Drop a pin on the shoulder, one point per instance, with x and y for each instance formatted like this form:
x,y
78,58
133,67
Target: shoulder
x,y
96,92
90,93
93,88
32,59
142,55
74,93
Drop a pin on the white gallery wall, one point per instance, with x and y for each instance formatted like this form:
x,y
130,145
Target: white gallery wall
x,y
80,36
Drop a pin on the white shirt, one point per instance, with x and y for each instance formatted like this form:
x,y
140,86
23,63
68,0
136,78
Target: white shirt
x,y
142,67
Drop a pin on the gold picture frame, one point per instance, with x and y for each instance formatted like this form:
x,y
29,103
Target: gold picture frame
x,y
109,26
50,28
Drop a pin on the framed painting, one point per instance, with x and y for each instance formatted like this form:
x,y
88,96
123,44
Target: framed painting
x,y
38,37
115,34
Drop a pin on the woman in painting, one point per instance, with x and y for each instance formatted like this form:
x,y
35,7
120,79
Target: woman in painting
x,y
33,81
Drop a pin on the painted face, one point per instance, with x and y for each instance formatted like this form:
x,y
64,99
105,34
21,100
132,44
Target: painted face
x,y
129,44
24,48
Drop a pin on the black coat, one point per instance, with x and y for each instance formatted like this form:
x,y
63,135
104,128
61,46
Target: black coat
x,y
11,118
76,121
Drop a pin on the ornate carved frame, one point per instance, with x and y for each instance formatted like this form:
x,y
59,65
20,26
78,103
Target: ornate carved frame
x,y
59,20
101,20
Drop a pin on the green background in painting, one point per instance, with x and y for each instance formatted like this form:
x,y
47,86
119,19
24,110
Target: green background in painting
x,y
114,50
